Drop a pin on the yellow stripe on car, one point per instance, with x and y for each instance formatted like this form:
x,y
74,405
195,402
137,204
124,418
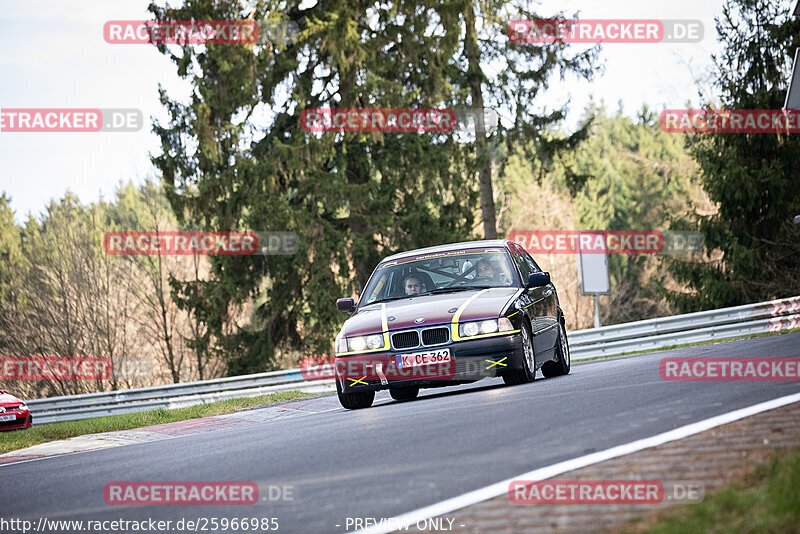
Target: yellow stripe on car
x,y
493,334
385,327
457,316
454,323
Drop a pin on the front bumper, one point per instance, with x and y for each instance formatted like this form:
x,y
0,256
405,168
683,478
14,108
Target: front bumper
x,y
23,420
472,360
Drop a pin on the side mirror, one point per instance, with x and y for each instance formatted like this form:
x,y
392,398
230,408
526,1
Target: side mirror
x,y
346,305
3,391
538,279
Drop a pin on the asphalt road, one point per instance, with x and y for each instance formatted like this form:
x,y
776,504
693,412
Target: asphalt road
x,y
397,457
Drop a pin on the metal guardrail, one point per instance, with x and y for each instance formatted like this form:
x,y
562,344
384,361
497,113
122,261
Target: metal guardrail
x,y
170,390
696,335
74,407
687,321
584,344
171,402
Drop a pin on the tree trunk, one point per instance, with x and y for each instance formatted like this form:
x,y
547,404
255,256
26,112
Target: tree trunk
x,y
474,78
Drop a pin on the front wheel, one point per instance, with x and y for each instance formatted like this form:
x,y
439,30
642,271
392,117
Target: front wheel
x,y
528,371
562,363
355,401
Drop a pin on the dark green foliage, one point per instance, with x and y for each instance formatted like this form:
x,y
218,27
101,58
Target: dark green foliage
x,y
351,198
753,178
641,180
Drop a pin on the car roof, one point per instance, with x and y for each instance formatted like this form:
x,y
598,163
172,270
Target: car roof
x,y
452,246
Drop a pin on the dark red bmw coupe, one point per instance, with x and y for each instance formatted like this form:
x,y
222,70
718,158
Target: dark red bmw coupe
x,y
449,315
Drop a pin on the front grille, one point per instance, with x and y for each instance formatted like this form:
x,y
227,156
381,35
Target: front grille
x,y
435,336
405,340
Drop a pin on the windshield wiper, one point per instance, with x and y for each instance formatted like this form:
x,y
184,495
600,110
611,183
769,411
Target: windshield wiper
x,y
387,299
452,289
431,292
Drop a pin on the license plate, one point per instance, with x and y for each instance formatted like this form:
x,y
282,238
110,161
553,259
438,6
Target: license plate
x,y
8,417
428,357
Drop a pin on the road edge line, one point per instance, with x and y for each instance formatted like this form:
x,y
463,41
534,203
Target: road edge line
x,y
543,473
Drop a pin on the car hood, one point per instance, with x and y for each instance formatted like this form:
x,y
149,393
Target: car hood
x,y
7,399
435,309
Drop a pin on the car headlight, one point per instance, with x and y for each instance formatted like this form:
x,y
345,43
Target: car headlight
x,y
488,326
340,345
374,341
469,329
23,407
357,343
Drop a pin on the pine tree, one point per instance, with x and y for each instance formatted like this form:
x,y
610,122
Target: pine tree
x,y
235,156
351,197
754,178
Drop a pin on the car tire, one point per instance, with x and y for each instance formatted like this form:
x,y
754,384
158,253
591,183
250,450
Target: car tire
x,y
356,400
561,365
528,372
404,394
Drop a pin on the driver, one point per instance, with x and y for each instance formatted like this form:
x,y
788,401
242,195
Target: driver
x,y
413,286
484,269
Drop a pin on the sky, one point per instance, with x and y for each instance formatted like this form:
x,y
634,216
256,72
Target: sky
x,y
53,55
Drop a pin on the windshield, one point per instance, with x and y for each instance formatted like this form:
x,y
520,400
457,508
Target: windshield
x,y
439,272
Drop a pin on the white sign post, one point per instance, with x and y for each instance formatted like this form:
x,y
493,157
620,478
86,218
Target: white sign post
x,y
793,93
593,278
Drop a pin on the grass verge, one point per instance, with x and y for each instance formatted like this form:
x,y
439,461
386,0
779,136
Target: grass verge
x,y
764,502
20,439
709,342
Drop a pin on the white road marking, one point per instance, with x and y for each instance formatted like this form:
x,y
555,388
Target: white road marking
x,y
543,473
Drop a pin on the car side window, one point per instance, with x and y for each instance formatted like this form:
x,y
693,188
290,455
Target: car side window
x,y
381,285
531,264
524,268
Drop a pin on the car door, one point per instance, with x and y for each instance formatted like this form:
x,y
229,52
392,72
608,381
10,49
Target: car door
x,y
534,306
548,311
